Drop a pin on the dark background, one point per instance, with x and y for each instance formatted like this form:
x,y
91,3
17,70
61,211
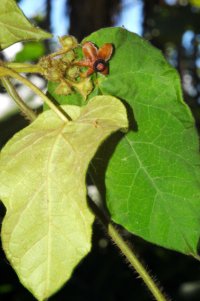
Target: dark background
x,y
104,275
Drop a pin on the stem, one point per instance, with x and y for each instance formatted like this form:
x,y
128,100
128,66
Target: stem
x,y
59,52
9,72
23,68
30,114
136,264
129,254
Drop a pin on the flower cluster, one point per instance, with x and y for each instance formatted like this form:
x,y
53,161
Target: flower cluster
x,y
63,67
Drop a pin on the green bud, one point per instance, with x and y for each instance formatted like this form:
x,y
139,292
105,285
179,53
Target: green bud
x,y
52,69
68,57
68,42
73,72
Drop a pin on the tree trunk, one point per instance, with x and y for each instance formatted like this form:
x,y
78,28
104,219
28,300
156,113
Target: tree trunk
x,y
87,16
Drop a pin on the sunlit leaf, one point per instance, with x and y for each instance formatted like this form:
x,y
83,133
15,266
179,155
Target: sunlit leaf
x,y
48,225
14,26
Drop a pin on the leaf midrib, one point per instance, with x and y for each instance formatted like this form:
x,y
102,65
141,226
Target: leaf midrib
x,y
49,207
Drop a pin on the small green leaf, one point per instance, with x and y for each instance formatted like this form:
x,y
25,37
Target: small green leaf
x,y
48,225
152,180
14,26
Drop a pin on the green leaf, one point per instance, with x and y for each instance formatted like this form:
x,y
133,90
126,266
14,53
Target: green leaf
x,y
48,225
14,26
152,180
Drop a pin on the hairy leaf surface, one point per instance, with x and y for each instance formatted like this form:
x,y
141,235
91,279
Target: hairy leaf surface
x,y
48,225
14,26
152,180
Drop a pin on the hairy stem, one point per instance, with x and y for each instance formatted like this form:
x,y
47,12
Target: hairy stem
x,y
9,72
129,254
135,263
30,114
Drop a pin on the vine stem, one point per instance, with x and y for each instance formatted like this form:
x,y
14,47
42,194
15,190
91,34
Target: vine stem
x,y
135,263
30,114
9,72
128,253
23,68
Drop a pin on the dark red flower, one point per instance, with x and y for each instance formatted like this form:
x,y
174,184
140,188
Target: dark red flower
x,y
96,59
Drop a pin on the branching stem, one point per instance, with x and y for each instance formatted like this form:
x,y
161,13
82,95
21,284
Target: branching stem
x,y
9,72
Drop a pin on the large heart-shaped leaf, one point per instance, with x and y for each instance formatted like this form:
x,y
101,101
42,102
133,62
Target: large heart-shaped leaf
x,y
14,27
48,225
152,180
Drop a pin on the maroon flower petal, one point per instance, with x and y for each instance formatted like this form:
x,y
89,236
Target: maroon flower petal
x,y
84,63
90,51
105,52
89,71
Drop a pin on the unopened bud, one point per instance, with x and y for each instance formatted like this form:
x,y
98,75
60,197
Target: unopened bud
x,y
68,42
73,72
68,57
52,69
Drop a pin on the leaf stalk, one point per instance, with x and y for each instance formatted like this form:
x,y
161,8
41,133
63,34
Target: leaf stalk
x,y
30,114
23,67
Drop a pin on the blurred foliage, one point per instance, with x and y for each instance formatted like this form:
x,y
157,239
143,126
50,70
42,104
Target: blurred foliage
x,y
31,52
103,275
195,2
175,29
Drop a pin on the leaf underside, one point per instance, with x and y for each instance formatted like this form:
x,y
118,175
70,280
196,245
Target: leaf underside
x,y
14,27
152,179
48,225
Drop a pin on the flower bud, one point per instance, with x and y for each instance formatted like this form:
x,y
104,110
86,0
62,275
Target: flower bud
x,y
52,69
68,57
73,72
68,42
